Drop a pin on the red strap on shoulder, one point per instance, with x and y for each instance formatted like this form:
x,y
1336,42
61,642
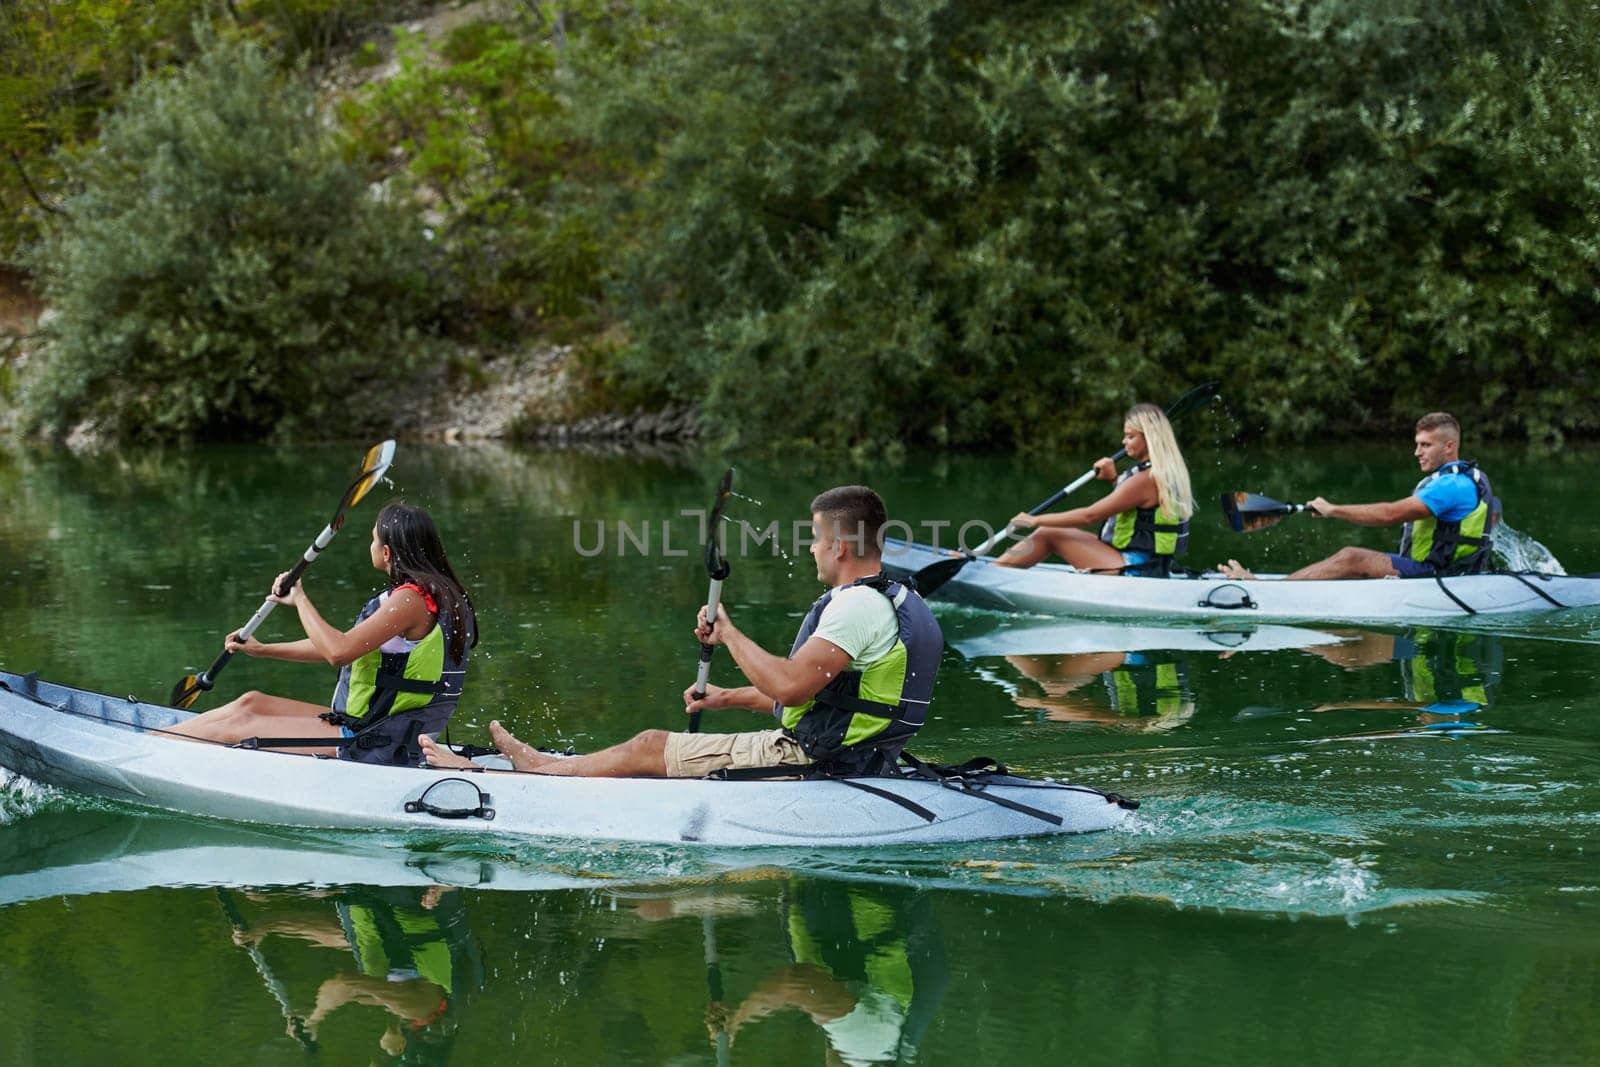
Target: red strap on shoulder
x,y
433,605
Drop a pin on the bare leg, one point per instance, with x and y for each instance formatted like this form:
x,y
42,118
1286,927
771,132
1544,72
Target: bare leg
x,y
1349,562
259,715
642,756
1080,548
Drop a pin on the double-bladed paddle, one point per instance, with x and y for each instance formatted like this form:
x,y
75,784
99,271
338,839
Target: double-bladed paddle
x,y
1249,512
373,467
717,567
934,575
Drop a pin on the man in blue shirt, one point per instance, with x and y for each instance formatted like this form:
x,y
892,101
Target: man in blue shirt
x,y
1447,517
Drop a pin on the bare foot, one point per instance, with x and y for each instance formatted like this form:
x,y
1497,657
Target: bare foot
x,y
436,755
523,756
1236,570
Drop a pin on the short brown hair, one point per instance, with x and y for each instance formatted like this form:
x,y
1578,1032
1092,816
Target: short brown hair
x,y
1439,420
855,514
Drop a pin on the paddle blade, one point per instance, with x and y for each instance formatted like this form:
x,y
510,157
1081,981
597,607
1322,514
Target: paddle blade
x,y
186,692
1198,397
1249,512
374,465
934,575
716,565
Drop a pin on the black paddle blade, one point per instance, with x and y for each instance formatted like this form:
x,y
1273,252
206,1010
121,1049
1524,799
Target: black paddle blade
x,y
716,565
934,575
1249,512
186,692
1198,397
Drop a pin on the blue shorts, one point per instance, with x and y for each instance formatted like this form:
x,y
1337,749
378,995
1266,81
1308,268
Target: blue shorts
x,y
1132,561
1410,568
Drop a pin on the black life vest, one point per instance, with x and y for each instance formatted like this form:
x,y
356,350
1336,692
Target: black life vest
x,y
861,719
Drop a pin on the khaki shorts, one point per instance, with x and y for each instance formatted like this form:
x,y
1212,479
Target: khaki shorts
x,y
697,755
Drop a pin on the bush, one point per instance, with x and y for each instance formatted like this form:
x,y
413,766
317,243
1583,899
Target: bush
x,y
997,223
223,272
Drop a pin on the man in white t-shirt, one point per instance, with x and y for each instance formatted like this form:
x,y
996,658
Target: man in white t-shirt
x,y
852,635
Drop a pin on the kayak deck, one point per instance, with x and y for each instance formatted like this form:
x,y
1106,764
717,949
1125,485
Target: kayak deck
x,y
110,747
1058,589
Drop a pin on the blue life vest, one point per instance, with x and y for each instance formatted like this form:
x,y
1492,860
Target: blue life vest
x,y
862,718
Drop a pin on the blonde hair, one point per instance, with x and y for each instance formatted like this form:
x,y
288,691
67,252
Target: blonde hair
x,y
1167,468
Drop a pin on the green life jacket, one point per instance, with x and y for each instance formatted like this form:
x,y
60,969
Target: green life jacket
x,y
1138,689
1155,530
1437,666
862,717
1453,547
400,689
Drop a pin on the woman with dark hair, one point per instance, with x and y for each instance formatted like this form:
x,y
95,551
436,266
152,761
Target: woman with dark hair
x,y
401,666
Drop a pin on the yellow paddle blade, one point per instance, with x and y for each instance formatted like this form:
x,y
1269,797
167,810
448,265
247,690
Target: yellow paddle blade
x,y
374,465
186,692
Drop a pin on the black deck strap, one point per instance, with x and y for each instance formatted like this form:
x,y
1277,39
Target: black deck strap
x,y
1125,803
970,778
905,802
1552,600
482,811
1244,601
1462,604
254,743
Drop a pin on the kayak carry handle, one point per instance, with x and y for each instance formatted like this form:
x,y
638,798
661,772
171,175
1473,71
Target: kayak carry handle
x,y
421,805
1244,600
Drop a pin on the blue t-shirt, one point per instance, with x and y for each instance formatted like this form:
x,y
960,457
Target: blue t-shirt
x,y
1450,498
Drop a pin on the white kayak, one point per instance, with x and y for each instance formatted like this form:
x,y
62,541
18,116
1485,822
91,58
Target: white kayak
x,y
111,747
1050,637
1057,589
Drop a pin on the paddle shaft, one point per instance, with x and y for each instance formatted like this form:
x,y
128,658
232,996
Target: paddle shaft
x,y
703,672
1046,505
717,567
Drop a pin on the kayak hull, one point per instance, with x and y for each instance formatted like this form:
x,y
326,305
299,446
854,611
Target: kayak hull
x,y
1057,589
109,747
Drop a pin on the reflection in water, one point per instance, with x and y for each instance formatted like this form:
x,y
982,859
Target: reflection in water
x,y
1446,675
864,963
1146,690
406,951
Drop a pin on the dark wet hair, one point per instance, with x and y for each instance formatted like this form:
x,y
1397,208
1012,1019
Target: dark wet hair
x,y
416,554
855,514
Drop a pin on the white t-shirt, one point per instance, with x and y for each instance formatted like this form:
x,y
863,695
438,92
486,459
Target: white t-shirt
x,y
861,621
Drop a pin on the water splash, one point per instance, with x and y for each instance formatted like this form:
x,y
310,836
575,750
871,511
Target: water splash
x,y
1516,551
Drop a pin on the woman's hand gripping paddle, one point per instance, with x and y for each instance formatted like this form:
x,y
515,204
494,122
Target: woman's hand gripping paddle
x,y
934,575
717,567
1247,512
373,467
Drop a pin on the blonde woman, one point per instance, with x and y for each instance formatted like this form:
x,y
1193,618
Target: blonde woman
x,y
1144,520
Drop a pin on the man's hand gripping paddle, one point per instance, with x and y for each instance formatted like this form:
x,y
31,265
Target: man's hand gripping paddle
x,y
373,467
717,567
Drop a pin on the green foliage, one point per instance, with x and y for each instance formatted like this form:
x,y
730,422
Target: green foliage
x,y
480,128
865,223
223,271
63,63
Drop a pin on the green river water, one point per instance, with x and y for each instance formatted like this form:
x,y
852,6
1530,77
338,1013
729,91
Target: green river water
x,y
1384,850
